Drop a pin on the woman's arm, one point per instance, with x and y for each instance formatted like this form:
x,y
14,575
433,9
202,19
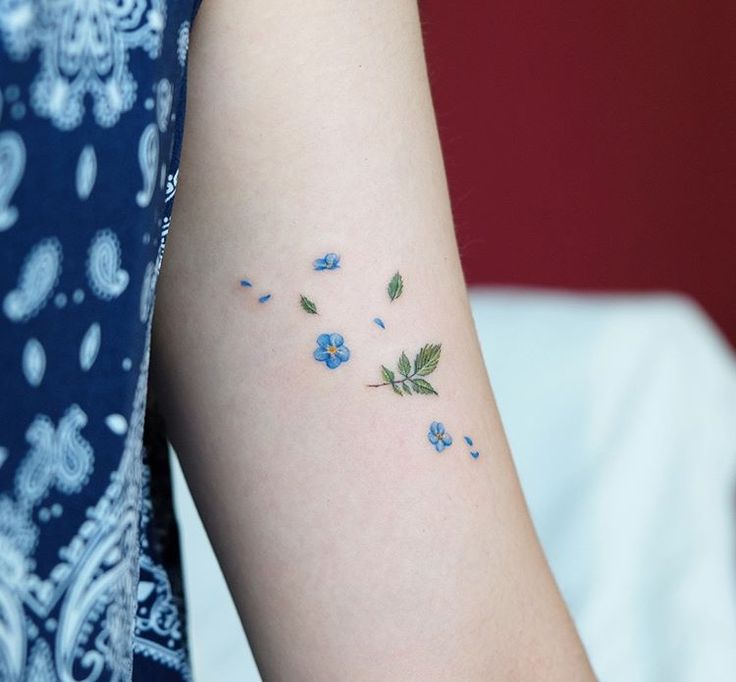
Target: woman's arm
x,y
354,549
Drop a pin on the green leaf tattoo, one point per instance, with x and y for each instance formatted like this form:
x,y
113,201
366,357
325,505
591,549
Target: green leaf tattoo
x,y
411,382
307,305
427,359
395,286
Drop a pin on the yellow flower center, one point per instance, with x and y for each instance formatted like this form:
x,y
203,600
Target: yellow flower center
x,y
331,350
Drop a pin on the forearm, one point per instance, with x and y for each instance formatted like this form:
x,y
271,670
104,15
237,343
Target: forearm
x,y
354,548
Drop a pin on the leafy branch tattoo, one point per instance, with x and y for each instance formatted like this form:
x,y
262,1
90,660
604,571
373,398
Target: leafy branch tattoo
x,y
410,380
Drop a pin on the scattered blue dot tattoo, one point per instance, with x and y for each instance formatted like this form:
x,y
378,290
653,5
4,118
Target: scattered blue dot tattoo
x,y
263,299
438,437
330,261
331,350
473,453
379,322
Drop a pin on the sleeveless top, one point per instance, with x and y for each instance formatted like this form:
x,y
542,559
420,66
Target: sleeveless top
x,y
92,96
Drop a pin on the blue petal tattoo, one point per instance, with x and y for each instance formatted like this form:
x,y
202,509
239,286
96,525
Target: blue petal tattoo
x,y
331,350
438,437
245,283
473,453
330,261
265,298
379,322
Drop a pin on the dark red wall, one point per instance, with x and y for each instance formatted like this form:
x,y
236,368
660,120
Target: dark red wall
x,y
591,144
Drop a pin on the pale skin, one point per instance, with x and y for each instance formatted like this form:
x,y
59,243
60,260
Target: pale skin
x,y
353,549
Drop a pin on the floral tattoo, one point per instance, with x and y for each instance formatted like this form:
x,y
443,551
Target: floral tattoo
x,y
331,350
330,261
438,437
410,380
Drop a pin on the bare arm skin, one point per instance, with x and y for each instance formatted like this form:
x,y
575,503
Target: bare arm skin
x,y
354,549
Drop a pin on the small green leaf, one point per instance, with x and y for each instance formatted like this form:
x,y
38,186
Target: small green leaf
x,y
423,387
396,389
427,359
404,365
388,375
307,305
395,287
406,388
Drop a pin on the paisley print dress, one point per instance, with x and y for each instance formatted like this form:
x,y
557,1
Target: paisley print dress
x,y
92,99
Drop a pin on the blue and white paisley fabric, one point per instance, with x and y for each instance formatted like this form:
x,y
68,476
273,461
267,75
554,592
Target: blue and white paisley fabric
x,y
92,99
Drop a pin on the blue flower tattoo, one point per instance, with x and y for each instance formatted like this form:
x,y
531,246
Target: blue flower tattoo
x,y
331,350
330,261
439,437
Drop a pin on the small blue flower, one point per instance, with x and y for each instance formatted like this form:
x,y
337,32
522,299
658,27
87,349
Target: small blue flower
x,y
439,437
331,261
331,350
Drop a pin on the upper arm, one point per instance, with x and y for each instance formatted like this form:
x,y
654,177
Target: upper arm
x,y
354,550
